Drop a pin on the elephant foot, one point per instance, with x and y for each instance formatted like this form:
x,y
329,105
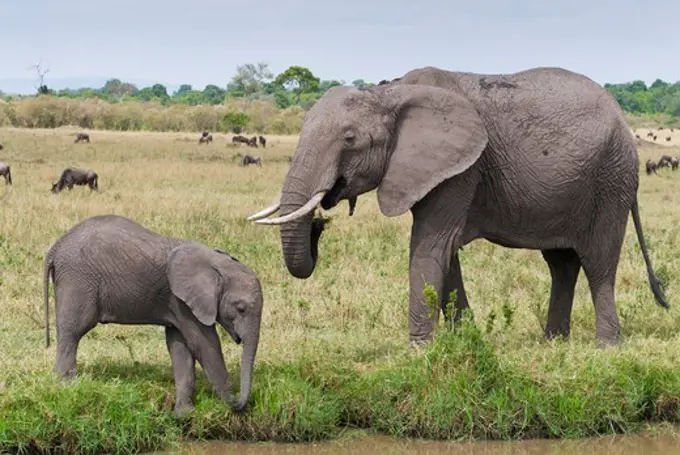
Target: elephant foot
x,y
608,343
418,343
182,410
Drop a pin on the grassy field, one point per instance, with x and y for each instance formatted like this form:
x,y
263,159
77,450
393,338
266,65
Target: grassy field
x,y
334,349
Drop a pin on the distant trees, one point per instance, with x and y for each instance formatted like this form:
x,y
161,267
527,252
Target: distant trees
x,y
298,86
659,98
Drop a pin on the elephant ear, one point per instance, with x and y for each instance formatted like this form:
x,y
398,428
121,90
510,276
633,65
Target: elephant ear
x,y
194,280
439,135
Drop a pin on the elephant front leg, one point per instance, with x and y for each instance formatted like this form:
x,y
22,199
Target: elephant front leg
x,y
430,266
184,370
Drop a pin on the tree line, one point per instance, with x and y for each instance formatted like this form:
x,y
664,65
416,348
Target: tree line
x,y
298,86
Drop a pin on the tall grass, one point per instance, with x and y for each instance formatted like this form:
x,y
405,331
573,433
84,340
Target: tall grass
x,y
334,348
48,111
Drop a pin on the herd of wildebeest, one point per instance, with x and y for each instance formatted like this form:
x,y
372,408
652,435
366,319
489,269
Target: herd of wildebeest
x,y
79,176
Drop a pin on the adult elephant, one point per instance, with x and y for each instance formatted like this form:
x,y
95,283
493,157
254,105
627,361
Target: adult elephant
x,y
539,159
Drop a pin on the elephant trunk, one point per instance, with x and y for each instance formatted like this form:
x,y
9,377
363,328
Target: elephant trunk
x,y
247,360
300,236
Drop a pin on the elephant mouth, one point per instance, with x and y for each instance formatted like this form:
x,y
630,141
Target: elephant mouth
x,y
335,194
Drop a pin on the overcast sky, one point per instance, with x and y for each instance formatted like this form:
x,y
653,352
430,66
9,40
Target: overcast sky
x,y
202,41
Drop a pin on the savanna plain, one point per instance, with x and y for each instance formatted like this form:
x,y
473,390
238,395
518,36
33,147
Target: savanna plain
x,y
334,352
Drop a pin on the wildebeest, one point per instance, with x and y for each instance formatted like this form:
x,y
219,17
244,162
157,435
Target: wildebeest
x,y
263,141
76,176
240,139
82,137
655,137
637,136
650,134
675,161
668,138
1,147
252,142
251,159
650,167
665,161
6,172
206,138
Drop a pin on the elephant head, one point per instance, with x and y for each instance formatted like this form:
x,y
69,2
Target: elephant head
x,y
218,288
401,138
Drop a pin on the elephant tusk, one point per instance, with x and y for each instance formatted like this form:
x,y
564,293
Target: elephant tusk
x,y
299,213
265,213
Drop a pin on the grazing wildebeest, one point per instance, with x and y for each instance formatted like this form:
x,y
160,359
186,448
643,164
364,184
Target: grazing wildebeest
x,y
675,161
655,137
637,136
263,141
75,176
205,139
665,161
251,159
82,137
660,128
252,142
650,134
651,167
240,139
668,138
6,172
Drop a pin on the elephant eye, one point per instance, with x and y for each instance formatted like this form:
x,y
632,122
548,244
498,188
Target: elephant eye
x,y
349,138
241,307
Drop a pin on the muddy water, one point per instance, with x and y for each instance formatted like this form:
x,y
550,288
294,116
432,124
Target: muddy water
x,y
616,445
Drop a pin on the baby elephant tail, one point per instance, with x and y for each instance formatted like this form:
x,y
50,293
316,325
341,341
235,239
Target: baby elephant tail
x,y
657,288
49,268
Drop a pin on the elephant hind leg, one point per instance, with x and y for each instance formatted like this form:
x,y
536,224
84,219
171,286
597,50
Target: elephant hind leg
x,y
564,268
454,282
76,314
600,262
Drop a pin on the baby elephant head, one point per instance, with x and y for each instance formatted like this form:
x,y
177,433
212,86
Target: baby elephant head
x,y
218,288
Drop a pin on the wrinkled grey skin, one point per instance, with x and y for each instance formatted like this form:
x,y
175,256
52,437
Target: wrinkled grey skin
x,y
74,176
6,172
109,269
540,159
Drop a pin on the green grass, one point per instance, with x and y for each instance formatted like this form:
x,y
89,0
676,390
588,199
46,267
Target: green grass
x,y
334,350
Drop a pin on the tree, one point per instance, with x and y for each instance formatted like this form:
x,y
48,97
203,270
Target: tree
x,y
235,121
325,85
117,88
41,88
250,79
213,94
298,80
183,89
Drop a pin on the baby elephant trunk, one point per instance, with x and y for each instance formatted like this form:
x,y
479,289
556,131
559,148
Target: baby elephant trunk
x,y
250,344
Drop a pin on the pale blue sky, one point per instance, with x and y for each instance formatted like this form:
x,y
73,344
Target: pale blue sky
x,y
203,41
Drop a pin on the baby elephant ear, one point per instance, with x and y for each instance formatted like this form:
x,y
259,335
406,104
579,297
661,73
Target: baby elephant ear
x,y
194,280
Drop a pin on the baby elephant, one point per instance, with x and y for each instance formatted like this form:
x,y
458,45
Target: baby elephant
x,y
110,269
251,159
73,176
6,172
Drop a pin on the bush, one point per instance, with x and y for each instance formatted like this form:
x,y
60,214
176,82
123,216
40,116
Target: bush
x,y
46,111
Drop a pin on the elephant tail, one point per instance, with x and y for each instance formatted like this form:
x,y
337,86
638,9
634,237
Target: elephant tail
x,y
657,288
49,269
9,175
